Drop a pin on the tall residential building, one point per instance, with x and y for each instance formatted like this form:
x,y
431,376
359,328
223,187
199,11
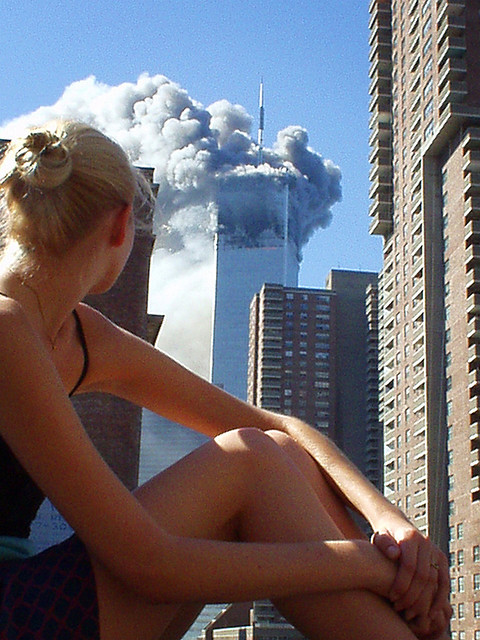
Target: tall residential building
x,y
310,356
254,248
425,191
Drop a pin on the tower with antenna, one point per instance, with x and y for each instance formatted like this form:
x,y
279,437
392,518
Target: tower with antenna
x,y
261,123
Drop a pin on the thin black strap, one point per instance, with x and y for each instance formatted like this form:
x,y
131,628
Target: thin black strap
x,y
83,342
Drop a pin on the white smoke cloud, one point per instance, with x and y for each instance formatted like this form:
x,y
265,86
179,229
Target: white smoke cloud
x,y
198,154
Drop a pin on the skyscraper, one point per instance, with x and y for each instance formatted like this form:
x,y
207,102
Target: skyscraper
x,y
252,246
311,353
425,187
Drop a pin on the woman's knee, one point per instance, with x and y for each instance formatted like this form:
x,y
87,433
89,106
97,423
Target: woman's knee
x,y
296,453
248,440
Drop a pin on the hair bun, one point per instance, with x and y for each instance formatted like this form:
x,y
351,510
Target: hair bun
x,y
43,160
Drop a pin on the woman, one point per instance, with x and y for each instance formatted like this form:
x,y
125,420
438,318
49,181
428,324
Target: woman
x,y
258,511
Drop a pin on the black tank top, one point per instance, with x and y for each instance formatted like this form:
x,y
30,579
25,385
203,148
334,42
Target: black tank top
x,y
20,498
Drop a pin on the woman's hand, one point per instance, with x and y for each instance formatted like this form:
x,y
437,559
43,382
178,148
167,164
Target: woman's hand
x,y
421,586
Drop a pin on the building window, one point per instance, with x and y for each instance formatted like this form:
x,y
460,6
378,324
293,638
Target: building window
x,y
460,530
427,46
476,581
428,88
460,557
428,130
461,611
427,26
461,584
476,553
476,609
427,112
428,67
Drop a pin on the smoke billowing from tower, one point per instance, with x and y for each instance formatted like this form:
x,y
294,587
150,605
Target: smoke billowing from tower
x,y
199,154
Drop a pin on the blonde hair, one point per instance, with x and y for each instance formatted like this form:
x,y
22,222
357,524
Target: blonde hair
x,y
57,183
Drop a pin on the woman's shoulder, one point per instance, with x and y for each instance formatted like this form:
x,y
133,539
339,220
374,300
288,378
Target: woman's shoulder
x,y
13,318
97,327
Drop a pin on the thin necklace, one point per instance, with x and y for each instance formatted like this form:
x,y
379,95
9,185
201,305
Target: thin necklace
x,y
40,308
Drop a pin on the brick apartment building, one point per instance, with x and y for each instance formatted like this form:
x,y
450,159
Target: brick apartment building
x,y
425,202
313,354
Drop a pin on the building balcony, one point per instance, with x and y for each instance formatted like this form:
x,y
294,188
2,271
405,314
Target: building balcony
x,y
380,19
382,169
377,115
382,151
475,458
474,407
472,208
473,304
473,330
420,451
473,356
380,52
471,184
475,433
381,131
452,47
471,160
380,32
474,381
380,89
475,487
450,8
452,69
472,256
450,26
473,280
420,475
420,428
381,189
472,138
377,9
454,91
381,214
472,232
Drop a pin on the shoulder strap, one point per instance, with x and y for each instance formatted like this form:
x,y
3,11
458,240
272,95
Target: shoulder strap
x,y
83,342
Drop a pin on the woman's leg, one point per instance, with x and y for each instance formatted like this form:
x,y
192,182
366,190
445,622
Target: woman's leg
x,y
242,485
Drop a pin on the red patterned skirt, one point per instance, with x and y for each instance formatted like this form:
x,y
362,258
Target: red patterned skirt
x,y
50,596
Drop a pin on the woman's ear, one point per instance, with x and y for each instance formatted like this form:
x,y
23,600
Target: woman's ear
x,y
120,221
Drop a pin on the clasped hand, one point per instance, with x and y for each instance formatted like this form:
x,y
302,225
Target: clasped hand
x,y
421,586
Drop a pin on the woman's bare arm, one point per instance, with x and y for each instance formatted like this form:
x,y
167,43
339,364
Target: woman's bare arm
x,y
39,424
140,373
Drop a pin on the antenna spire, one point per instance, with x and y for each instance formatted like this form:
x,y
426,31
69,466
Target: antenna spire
x,y
261,125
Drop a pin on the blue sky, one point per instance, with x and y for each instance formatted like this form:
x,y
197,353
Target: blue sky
x,y
313,56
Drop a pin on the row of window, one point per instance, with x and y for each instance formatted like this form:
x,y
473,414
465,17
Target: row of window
x,y
462,635
461,610
457,585
458,558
